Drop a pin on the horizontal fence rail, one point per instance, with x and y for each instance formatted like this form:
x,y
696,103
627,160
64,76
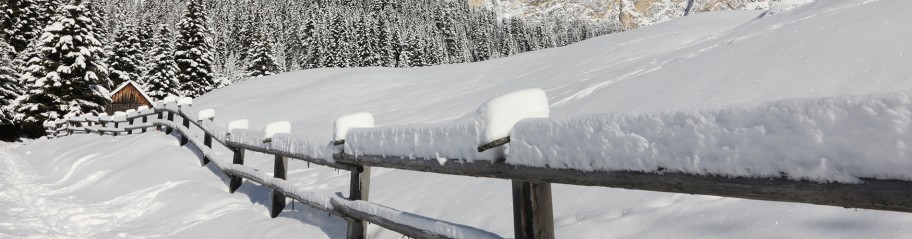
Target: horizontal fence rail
x,y
533,216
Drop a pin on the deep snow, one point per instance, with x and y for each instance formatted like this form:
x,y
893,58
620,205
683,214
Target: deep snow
x,y
706,62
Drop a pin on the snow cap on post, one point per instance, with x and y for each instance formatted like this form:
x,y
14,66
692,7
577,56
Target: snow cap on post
x,y
281,127
238,124
170,99
119,116
142,108
344,123
185,101
501,113
207,114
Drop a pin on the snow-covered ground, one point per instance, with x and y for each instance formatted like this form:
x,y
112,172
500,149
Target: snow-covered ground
x,y
701,63
141,186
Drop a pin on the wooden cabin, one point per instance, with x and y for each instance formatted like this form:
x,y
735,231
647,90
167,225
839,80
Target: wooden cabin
x,y
128,95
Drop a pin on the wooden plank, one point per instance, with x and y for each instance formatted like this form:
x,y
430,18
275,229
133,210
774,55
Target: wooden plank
x,y
336,165
408,230
533,216
494,144
889,195
278,198
359,189
236,181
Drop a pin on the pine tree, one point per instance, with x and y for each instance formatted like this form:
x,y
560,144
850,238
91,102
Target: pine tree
x,y
193,57
262,62
146,34
333,53
69,75
9,85
387,39
160,81
21,23
9,92
126,60
367,44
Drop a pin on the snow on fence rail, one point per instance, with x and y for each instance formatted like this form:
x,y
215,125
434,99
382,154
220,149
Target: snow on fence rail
x,y
848,152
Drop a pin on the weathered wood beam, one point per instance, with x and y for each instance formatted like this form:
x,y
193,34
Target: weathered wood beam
x,y
533,216
336,165
494,144
278,198
888,195
359,189
235,181
186,123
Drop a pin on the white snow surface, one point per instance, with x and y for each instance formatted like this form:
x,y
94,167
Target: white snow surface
x,y
206,114
185,101
280,127
238,124
90,186
826,139
500,114
358,120
822,67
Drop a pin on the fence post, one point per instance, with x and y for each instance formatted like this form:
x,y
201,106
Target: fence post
x,y
170,118
103,125
183,140
236,181
359,189
278,198
533,217
145,120
161,116
207,140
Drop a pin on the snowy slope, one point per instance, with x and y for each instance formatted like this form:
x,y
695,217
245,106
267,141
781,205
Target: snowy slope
x,y
707,61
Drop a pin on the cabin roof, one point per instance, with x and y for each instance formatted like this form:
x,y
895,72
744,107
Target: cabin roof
x,y
135,85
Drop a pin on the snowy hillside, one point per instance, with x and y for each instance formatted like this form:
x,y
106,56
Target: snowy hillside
x,y
703,62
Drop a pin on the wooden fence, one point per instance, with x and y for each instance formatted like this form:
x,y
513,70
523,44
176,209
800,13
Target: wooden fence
x,y
532,209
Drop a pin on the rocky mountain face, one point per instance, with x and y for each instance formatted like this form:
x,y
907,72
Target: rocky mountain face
x,y
628,14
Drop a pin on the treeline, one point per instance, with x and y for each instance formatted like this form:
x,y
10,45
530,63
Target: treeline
x,y
342,33
62,57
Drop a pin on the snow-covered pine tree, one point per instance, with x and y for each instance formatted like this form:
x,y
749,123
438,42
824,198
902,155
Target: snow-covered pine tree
x,y
9,92
262,61
9,84
126,59
20,23
309,43
193,57
387,39
367,43
145,32
160,80
68,74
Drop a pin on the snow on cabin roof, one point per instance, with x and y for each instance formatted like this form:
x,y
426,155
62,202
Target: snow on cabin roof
x,y
135,85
